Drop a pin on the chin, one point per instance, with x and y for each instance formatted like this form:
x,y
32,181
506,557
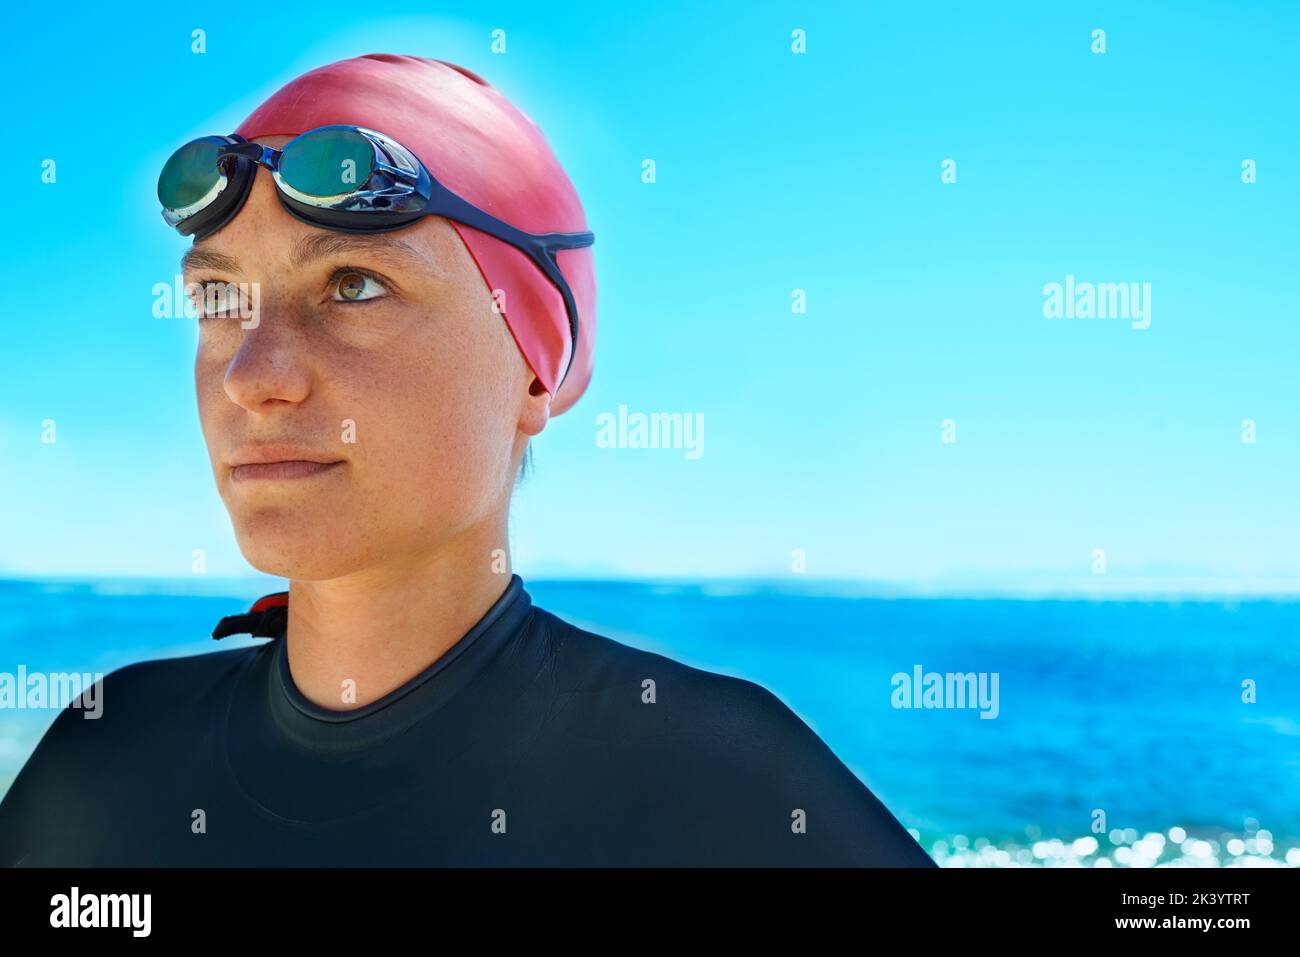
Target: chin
x,y
283,564
297,547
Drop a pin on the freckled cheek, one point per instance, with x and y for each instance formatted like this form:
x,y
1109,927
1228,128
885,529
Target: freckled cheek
x,y
424,438
213,406
210,364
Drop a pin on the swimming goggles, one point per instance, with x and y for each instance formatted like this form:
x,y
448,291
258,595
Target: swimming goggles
x,y
346,178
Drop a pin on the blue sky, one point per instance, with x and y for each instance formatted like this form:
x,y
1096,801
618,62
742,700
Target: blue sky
x,y
775,172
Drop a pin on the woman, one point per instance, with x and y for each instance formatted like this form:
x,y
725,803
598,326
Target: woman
x,y
389,309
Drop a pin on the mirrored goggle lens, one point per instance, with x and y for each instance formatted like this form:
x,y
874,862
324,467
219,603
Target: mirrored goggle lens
x,y
328,162
191,174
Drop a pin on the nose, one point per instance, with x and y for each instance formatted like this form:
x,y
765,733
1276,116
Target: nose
x,y
271,367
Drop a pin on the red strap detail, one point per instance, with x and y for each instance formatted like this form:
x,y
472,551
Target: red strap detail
x,y
269,601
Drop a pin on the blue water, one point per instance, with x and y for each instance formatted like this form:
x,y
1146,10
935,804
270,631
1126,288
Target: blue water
x,y
1134,708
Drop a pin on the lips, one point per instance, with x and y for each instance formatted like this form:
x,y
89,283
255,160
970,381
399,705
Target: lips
x,y
280,463
280,471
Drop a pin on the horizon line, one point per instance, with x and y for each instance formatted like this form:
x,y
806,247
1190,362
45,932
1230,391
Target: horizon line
x,y
738,585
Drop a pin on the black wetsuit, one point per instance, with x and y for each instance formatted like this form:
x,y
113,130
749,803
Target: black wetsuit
x,y
530,742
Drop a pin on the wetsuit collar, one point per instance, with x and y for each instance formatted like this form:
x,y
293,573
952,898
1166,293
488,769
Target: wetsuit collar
x,y
325,730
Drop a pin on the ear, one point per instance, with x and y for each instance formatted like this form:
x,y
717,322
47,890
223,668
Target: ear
x,y
536,411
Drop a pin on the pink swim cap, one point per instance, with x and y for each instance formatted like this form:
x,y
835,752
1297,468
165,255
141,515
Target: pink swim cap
x,y
484,149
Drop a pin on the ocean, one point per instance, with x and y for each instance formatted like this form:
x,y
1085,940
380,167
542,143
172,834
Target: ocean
x,y
1111,732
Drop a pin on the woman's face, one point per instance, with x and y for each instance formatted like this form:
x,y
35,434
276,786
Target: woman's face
x,y
375,370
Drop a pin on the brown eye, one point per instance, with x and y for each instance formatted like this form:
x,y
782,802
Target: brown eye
x,y
357,287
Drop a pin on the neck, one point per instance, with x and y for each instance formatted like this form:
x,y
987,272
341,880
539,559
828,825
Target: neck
x,y
351,640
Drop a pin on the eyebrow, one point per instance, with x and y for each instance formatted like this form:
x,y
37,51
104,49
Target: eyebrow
x,y
319,245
